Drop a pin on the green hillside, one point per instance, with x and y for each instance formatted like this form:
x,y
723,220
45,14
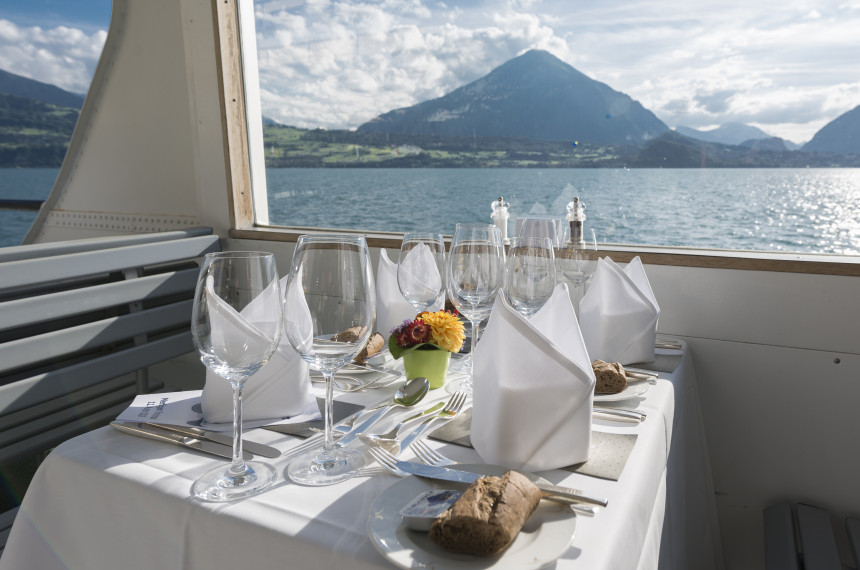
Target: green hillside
x,y
32,133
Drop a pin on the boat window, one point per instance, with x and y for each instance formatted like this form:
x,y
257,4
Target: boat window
x,y
706,126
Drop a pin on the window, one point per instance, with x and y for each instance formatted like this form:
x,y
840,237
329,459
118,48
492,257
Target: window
x,y
687,128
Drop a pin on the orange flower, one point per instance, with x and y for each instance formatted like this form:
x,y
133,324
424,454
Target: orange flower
x,y
446,331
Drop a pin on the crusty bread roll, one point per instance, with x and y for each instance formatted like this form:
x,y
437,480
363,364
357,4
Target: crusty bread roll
x,y
374,344
488,515
611,378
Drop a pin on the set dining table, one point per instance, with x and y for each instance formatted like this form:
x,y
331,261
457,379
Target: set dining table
x,y
108,500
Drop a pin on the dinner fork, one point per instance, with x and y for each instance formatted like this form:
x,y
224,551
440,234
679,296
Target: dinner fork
x,y
452,408
432,457
389,462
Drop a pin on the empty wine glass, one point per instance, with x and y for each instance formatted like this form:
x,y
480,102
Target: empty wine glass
x,y
329,314
475,275
530,276
576,264
421,270
236,327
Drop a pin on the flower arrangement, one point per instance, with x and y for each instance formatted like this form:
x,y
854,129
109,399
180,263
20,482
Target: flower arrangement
x,y
441,330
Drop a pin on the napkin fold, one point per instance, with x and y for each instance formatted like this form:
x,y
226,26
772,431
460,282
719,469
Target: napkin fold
x,y
533,388
391,307
618,314
280,389
419,272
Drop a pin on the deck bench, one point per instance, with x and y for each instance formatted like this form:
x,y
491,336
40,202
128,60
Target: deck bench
x,y
805,538
80,322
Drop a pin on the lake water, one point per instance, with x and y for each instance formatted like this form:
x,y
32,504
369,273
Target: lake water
x,y
796,210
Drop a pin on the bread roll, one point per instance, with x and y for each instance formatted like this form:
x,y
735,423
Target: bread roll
x,y
611,378
488,516
352,334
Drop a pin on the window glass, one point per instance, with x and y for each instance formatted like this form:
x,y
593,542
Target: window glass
x,y
710,125
48,54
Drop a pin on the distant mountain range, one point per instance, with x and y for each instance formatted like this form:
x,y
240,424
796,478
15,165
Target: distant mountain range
x,y
738,134
841,135
21,86
534,96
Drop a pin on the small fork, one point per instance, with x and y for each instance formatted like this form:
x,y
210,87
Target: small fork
x,y
451,409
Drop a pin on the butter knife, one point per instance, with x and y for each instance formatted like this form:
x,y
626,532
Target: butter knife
x,y
222,438
548,491
142,430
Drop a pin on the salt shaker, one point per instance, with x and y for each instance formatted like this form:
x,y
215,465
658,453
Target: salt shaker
x,y
500,216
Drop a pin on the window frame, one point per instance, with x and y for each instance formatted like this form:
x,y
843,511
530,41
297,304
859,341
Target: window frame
x,y
246,181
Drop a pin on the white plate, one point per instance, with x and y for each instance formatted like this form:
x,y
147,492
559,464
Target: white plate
x,y
545,537
631,391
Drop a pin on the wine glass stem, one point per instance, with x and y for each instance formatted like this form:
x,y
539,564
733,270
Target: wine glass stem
x,y
237,466
476,326
328,445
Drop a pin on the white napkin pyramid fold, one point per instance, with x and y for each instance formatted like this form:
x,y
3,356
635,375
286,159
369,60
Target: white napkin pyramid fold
x,y
618,315
533,388
278,390
391,307
419,272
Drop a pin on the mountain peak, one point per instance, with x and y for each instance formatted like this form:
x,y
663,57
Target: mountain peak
x,y
534,95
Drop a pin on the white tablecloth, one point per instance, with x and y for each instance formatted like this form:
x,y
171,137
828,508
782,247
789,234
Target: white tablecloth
x,y
107,500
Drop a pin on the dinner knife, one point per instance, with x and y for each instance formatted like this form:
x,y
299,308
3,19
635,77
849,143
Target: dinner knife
x,y
548,491
222,438
142,430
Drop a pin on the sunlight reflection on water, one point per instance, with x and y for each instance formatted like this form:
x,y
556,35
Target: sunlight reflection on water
x,y
797,210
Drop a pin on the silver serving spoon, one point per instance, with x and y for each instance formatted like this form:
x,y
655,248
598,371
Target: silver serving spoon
x,y
412,392
388,440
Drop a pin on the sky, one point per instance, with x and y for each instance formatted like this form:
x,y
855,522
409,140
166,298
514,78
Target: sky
x,y
785,66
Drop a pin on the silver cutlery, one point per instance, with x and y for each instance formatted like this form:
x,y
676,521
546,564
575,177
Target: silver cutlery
x,y
621,412
432,457
548,491
452,408
412,392
222,438
205,446
390,437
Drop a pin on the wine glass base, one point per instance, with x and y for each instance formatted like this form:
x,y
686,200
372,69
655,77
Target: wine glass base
x,y
317,468
463,385
220,486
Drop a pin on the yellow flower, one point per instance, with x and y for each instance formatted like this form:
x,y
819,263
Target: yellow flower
x,y
446,331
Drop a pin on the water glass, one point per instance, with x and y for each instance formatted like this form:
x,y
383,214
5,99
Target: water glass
x,y
236,327
530,277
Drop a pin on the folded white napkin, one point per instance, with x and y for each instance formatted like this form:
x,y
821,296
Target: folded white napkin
x,y
618,314
391,307
419,273
278,390
533,388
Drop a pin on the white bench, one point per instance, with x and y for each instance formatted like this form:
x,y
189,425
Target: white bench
x,y
80,322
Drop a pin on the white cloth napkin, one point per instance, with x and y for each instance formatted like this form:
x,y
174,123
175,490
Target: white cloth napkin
x,y
533,388
618,315
391,307
278,390
419,272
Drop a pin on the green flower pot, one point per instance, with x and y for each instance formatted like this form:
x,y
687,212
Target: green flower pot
x,y
431,364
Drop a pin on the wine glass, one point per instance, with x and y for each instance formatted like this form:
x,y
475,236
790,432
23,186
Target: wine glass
x,y
421,270
329,311
576,264
476,273
530,277
236,327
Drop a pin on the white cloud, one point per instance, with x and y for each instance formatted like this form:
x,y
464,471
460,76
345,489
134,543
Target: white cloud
x,y
62,56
